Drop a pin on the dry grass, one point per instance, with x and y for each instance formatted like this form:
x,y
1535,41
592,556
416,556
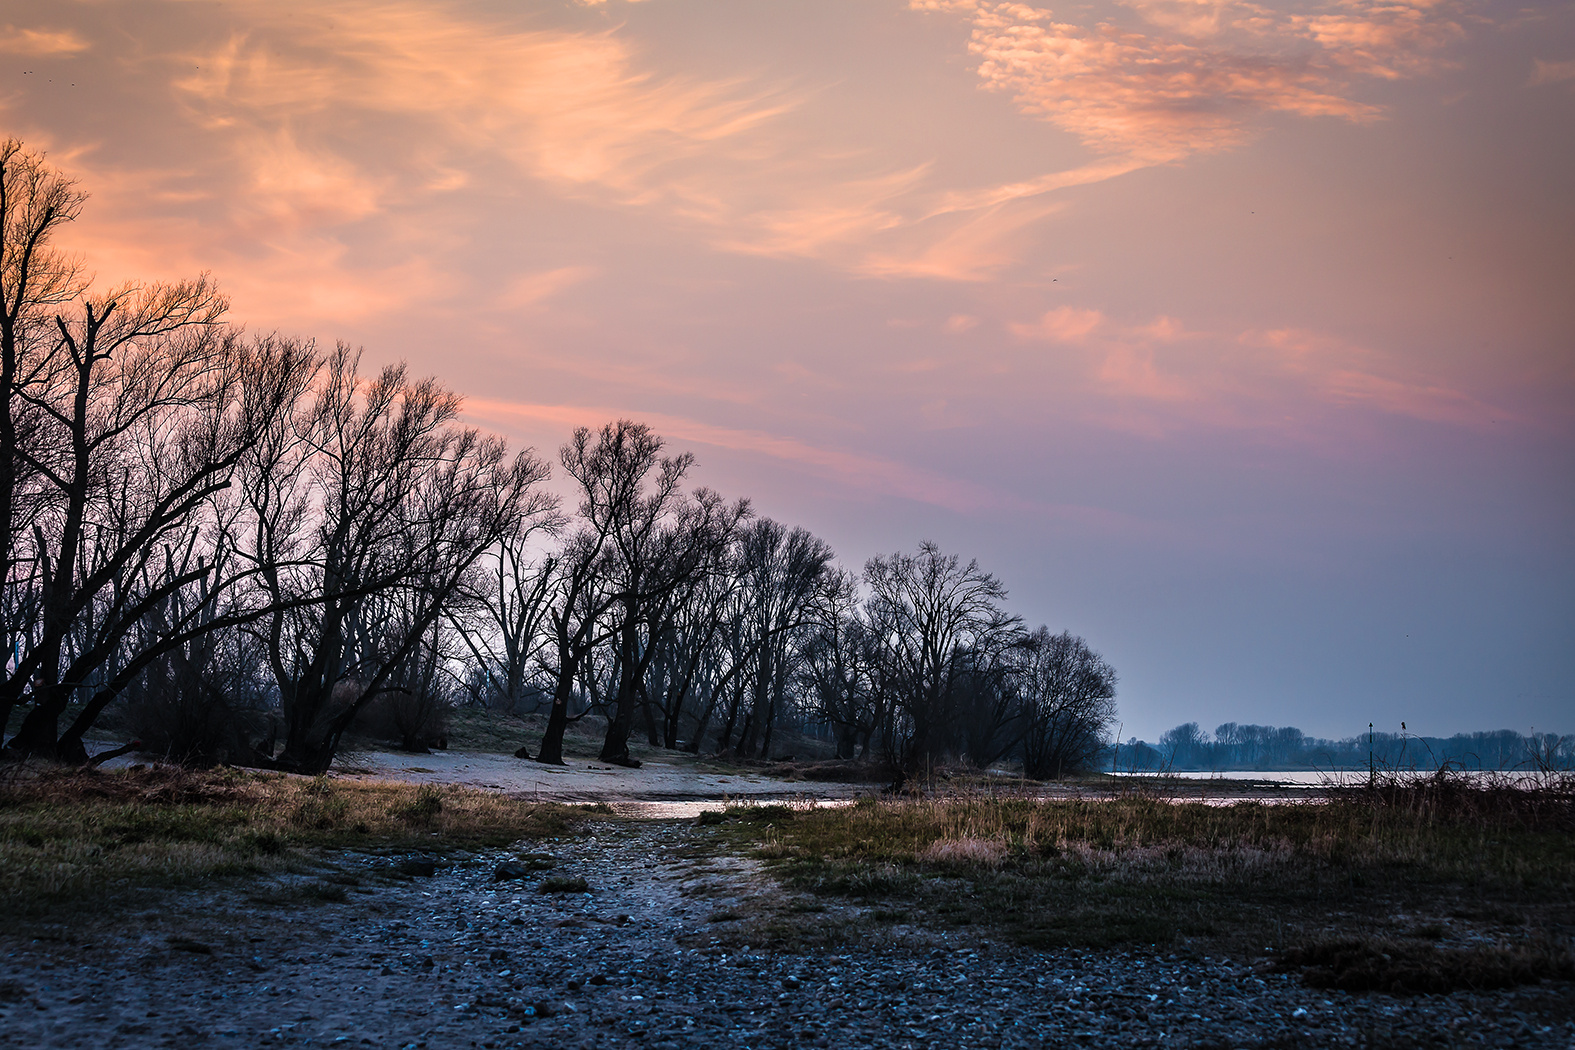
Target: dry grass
x,y
1138,870
68,835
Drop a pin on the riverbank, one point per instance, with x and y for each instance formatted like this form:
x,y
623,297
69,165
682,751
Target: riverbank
x,y
158,906
667,948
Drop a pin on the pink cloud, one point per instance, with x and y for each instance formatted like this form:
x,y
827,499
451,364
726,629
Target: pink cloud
x,y
1155,97
856,475
1147,377
857,472
1341,372
1551,72
1064,324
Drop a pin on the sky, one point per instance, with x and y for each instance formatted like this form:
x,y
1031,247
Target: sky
x,y
1237,338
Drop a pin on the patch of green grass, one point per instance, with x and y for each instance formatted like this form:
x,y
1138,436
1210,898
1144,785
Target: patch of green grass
x,y
71,835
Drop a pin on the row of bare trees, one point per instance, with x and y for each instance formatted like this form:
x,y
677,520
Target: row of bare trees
x,y
684,616
180,503
249,545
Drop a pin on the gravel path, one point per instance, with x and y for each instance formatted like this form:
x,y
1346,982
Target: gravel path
x,y
653,957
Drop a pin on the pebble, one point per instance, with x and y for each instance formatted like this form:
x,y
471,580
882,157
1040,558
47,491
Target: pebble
x,y
638,965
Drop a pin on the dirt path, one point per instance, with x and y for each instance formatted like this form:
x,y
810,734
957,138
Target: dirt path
x,y
357,954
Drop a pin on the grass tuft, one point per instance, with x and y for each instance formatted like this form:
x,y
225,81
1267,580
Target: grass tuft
x,y
422,810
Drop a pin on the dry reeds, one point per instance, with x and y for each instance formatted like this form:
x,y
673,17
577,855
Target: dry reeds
x,y
1141,869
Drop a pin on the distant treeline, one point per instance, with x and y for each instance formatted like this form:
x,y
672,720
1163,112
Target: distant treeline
x,y
1188,748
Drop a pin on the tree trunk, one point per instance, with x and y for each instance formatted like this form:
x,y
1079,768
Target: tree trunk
x,y
551,749
652,736
615,748
39,733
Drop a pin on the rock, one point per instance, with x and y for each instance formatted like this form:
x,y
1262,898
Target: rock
x,y
600,978
522,753
498,955
524,865
186,944
418,867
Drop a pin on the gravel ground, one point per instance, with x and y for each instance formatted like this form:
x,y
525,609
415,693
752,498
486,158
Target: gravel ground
x,y
655,956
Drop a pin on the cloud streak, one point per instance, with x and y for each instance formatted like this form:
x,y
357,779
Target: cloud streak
x,y
1138,376
40,42
855,472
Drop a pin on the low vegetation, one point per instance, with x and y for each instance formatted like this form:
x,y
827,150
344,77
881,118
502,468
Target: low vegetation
x,y
70,835
1417,887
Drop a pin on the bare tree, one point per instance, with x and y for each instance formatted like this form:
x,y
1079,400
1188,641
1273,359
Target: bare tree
x,y
503,622
928,612
35,278
138,418
781,571
645,540
839,667
691,668
389,494
576,622
1070,693
991,707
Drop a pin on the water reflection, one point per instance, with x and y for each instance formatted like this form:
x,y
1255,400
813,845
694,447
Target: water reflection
x,y
690,808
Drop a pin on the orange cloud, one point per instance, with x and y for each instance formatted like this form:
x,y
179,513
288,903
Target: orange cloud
x,y
42,42
530,289
566,107
292,93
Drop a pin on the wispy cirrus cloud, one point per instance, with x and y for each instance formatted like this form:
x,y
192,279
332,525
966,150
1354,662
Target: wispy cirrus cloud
x,y
1139,375
567,107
